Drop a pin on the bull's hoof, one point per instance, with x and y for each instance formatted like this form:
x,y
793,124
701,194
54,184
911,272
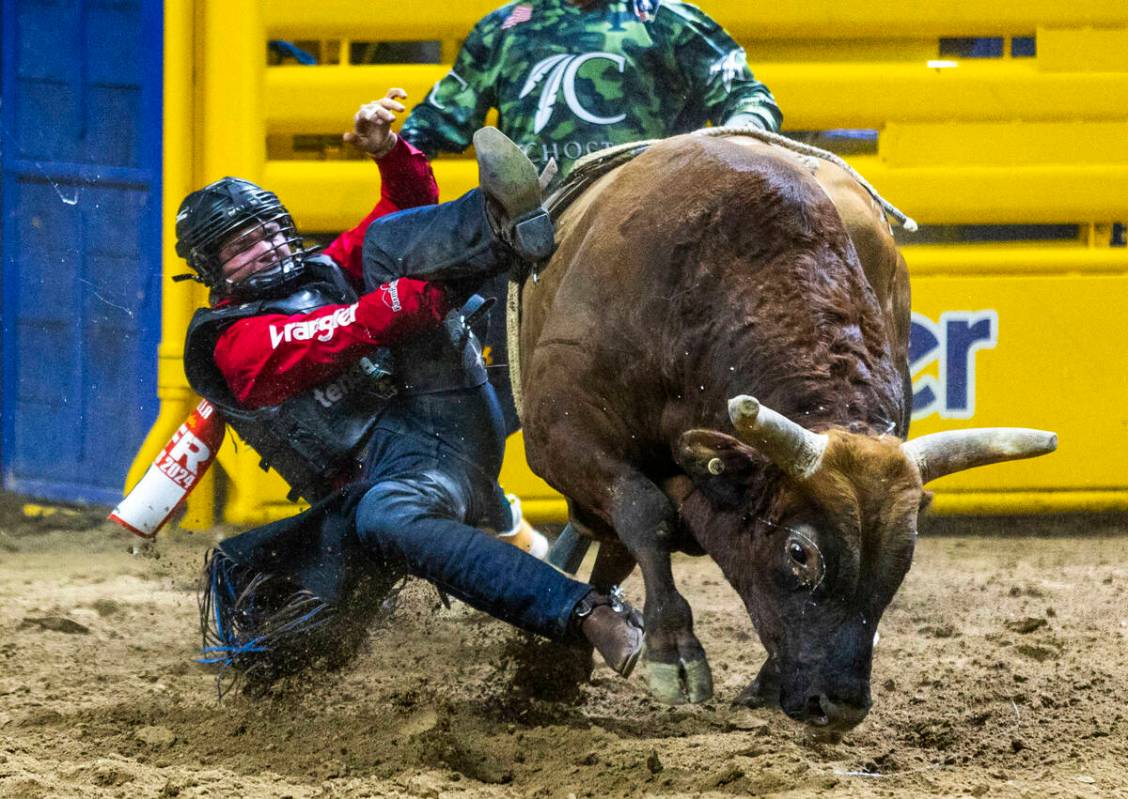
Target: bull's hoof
x,y
764,690
681,682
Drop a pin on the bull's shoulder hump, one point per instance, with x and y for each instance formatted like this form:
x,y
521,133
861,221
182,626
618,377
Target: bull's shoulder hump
x,y
702,155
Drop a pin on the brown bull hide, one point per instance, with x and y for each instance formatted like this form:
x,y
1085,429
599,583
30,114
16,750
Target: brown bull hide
x,y
705,269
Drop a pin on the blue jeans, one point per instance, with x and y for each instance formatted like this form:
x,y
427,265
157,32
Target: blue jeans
x,y
451,242
435,459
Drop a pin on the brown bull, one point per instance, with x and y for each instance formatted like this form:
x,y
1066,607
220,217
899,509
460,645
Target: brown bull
x,y
705,270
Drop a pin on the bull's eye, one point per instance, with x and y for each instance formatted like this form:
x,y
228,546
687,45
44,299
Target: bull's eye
x,y
803,560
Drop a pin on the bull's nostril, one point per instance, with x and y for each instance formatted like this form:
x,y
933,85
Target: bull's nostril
x,y
817,710
843,715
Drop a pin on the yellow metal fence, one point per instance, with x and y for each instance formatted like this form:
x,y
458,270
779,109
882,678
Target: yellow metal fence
x,y
960,141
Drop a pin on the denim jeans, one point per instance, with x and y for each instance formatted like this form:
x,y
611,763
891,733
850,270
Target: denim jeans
x,y
434,459
451,241
454,243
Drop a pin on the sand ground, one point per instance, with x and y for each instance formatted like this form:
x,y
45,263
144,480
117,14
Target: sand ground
x,y
1002,671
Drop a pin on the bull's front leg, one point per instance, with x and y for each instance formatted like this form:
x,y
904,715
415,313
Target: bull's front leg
x,y
646,521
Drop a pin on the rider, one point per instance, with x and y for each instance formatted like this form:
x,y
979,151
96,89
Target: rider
x,y
290,352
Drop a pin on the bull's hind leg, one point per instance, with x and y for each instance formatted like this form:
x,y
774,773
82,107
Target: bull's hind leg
x,y
645,521
613,564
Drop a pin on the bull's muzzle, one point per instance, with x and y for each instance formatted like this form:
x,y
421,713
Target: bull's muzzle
x,y
829,712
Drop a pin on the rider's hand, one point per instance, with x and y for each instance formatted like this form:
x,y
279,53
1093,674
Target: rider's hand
x,y
372,124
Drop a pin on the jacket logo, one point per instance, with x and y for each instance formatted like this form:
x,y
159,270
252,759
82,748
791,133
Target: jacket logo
x,y
389,293
730,67
323,328
558,73
329,394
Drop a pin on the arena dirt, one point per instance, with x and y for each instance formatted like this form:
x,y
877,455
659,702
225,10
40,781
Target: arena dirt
x,y
1001,671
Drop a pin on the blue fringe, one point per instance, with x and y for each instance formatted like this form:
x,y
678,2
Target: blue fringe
x,y
256,627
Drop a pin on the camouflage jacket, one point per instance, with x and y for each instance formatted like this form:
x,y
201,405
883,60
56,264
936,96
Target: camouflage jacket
x,y
568,81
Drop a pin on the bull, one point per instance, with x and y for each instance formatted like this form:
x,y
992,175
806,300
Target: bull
x,y
715,361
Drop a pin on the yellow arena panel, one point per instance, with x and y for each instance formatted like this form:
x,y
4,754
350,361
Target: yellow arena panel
x,y
1041,351
795,19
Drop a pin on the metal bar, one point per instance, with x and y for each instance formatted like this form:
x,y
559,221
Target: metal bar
x,y
9,230
795,19
1022,502
1018,258
815,96
568,550
232,100
330,196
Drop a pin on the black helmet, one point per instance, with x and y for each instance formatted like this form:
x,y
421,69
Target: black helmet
x,y
232,215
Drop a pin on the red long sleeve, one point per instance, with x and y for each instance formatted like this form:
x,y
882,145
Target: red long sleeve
x,y
406,181
270,358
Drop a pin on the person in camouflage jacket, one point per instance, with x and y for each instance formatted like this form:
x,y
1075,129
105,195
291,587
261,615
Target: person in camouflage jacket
x,y
570,77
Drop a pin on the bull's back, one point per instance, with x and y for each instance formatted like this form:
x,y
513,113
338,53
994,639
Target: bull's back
x,y
617,333
615,240
618,245
646,255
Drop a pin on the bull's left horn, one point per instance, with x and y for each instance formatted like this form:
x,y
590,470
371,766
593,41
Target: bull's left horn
x,y
954,451
791,447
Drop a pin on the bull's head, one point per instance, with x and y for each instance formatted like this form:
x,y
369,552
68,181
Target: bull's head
x,y
820,559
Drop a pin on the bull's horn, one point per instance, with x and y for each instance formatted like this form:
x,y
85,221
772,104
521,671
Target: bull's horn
x,y
953,451
789,446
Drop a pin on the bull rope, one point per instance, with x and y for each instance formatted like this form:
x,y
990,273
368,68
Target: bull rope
x,y
513,342
592,166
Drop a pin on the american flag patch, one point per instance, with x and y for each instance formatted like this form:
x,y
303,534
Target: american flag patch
x,y
645,9
522,13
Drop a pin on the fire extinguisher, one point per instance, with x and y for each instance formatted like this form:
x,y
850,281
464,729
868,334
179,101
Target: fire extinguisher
x,y
175,472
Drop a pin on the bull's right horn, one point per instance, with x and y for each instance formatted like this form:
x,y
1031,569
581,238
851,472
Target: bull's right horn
x,y
791,447
954,451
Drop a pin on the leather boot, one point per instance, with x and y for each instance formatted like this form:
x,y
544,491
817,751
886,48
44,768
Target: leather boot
x,y
613,627
510,182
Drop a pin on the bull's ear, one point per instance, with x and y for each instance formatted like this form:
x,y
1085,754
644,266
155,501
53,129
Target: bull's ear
x,y
717,463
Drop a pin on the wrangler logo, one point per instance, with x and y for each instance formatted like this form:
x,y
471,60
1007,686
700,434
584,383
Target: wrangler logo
x,y
951,344
389,292
322,329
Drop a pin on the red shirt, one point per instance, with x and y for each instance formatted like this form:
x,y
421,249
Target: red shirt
x,y
270,358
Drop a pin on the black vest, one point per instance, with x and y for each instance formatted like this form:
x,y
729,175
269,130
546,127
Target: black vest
x,y
314,438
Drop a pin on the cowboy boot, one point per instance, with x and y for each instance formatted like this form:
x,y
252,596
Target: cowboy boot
x,y
510,182
613,627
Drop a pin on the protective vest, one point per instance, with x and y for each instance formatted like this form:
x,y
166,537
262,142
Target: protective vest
x,y
316,437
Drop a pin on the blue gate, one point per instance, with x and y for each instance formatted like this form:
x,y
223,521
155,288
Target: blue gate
x,y
81,146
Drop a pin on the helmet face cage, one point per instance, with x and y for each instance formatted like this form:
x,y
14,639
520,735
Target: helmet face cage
x,y
235,219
